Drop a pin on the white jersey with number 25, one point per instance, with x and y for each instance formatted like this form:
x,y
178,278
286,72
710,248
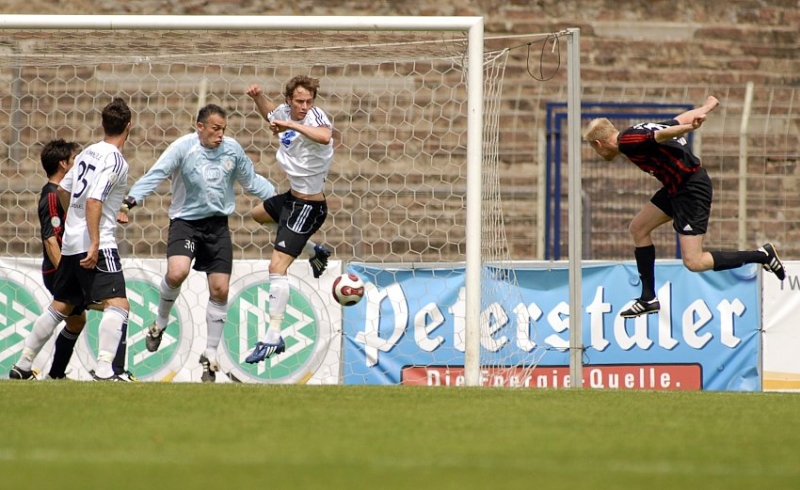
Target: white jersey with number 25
x,y
100,172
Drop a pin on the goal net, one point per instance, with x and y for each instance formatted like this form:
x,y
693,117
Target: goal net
x,y
413,193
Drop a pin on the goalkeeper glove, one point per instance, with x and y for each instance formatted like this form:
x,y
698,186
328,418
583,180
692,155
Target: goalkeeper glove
x,y
127,204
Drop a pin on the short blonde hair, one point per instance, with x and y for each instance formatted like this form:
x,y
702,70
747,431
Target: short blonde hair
x,y
599,129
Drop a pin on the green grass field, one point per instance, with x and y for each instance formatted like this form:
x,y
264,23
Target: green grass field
x,y
74,435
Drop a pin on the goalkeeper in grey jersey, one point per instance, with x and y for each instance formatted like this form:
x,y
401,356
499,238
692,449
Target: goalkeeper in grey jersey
x,y
202,167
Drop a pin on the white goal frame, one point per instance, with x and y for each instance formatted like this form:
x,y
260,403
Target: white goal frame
x,y
474,27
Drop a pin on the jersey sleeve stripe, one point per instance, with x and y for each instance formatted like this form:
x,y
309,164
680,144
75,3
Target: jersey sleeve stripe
x,y
633,138
52,204
107,190
319,118
118,163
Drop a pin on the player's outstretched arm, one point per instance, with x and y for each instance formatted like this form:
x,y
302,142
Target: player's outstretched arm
x,y
251,182
263,104
690,116
688,121
672,132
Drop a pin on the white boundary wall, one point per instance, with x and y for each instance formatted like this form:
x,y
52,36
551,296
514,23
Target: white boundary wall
x,y
781,338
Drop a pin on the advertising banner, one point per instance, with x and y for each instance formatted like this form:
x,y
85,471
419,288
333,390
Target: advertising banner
x,y
409,329
311,327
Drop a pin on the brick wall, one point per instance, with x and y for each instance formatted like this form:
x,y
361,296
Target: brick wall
x,y
702,41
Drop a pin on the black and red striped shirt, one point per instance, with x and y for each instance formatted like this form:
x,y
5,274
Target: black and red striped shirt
x,y
51,221
671,162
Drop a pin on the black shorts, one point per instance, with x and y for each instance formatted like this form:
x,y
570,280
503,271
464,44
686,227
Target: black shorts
x,y
690,207
207,241
48,278
78,286
298,219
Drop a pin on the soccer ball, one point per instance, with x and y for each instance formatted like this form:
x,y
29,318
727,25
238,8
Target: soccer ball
x,y
348,289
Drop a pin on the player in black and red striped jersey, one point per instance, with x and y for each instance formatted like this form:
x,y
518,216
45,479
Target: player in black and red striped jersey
x,y
57,158
661,149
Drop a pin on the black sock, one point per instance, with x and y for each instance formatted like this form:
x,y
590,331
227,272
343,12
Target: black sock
x,y
118,364
65,345
646,265
731,260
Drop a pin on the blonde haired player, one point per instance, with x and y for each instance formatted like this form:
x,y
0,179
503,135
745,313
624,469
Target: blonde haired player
x,y
660,149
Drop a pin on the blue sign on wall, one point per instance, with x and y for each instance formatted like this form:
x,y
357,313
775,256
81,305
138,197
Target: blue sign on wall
x,y
410,328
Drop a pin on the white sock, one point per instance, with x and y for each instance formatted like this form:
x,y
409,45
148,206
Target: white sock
x,y
109,335
166,301
278,298
43,328
216,314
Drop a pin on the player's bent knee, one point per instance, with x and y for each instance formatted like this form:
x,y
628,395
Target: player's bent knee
x,y
637,232
694,264
121,303
219,295
75,324
175,279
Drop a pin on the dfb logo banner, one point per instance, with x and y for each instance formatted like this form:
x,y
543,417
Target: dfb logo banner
x,y
307,329
312,328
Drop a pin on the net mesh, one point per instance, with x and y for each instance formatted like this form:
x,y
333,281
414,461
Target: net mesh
x,y
397,101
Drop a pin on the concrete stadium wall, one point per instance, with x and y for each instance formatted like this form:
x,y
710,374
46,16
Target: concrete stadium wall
x,y
703,41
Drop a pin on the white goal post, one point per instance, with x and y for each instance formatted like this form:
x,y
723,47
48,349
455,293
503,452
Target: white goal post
x,y
472,29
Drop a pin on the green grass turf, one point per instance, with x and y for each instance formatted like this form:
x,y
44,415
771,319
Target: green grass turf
x,y
67,435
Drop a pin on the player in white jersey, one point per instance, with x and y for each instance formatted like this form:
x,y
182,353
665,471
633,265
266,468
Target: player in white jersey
x,y
203,167
90,271
305,152
58,156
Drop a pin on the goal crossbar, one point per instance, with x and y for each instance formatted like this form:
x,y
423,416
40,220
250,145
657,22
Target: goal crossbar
x,y
233,22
